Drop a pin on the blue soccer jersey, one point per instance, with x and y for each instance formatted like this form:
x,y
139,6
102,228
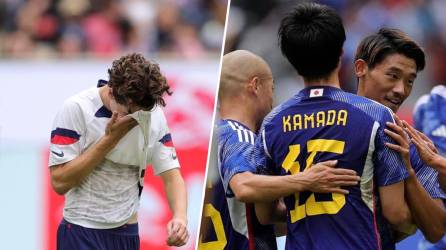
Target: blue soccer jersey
x,y
326,123
241,227
427,176
430,118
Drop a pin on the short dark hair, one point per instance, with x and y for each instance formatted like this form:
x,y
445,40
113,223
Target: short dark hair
x,y
311,37
135,79
376,47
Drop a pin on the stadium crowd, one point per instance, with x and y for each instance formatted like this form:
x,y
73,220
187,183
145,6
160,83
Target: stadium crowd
x,y
423,20
105,28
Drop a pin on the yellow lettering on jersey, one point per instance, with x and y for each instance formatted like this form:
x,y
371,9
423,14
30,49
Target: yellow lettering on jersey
x,y
309,119
320,117
342,117
331,116
290,163
286,123
314,120
217,222
297,122
311,206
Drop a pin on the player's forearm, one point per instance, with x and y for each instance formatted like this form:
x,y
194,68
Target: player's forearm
x,y
68,175
176,194
394,207
270,212
439,163
429,216
442,180
249,187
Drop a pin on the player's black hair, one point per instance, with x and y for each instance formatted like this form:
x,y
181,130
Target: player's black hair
x,y
311,38
376,47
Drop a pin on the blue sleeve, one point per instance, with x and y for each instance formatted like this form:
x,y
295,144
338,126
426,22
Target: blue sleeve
x,y
262,158
418,115
234,156
389,167
427,176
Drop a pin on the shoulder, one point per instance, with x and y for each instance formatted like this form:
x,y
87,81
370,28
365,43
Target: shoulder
x,y
269,119
158,121
158,114
233,132
421,102
82,101
439,90
373,109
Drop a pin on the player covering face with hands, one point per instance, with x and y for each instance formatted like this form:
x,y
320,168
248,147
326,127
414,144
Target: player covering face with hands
x,y
102,140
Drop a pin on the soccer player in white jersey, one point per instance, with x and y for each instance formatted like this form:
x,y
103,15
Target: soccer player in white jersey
x,y
386,65
102,140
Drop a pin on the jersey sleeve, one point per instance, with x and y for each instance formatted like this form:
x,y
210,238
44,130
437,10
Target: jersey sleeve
x,y
262,157
389,167
67,132
418,112
235,156
427,176
164,156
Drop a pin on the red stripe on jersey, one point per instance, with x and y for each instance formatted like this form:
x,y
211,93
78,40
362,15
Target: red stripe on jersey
x,y
63,140
249,224
378,237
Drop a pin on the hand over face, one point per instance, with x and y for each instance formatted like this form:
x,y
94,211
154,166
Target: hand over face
x,y
118,127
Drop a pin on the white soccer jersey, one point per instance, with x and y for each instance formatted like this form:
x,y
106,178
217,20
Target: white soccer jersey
x,y
109,196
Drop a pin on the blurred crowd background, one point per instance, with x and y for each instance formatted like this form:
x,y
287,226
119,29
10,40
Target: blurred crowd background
x,y
106,28
253,25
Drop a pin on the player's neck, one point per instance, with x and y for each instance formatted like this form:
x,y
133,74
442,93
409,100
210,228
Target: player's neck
x,y
332,80
240,114
103,93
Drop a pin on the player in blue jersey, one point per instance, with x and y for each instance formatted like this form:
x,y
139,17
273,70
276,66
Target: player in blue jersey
x,y
245,96
430,119
386,65
320,123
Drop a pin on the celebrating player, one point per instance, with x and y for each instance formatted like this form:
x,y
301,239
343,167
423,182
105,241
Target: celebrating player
x,y
429,118
386,65
322,122
102,140
245,97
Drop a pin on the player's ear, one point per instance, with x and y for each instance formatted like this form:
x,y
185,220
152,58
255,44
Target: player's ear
x,y
253,84
361,68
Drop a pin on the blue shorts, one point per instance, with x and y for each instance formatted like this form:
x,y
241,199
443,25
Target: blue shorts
x,y
75,237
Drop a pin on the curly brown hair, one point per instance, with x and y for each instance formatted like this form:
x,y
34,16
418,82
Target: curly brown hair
x,y
136,80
